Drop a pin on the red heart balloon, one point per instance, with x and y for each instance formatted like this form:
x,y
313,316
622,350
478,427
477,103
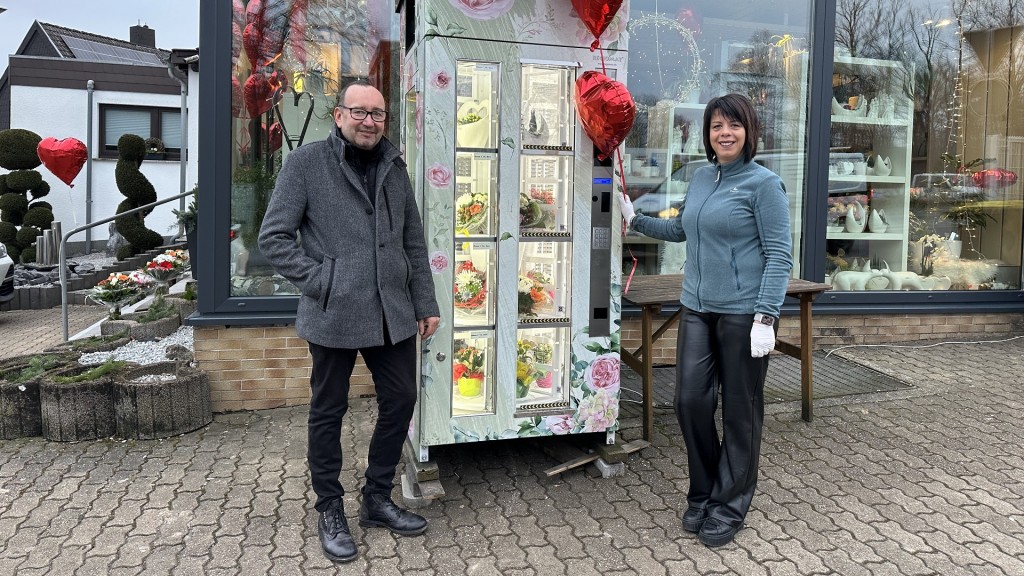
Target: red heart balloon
x,y
596,15
258,95
252,40
276,136
64,158
606,110
236,97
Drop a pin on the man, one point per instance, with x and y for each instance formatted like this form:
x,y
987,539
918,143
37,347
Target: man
x,y
366,287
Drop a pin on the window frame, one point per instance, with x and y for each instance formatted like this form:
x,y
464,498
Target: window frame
x,y
109,150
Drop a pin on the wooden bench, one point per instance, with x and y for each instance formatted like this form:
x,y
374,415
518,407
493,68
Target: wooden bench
x,y
650,293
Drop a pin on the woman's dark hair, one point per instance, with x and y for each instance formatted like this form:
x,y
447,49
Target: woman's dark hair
x,y
735,107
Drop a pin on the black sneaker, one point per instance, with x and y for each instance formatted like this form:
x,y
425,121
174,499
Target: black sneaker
x,y
380,510
716,533
335,538
694,518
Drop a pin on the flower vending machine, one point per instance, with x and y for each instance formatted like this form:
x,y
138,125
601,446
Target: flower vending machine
x,y
518,223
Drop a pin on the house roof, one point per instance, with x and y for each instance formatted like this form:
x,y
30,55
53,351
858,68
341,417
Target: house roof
x,y
69,43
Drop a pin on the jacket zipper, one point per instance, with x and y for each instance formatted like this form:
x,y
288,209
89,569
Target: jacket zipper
x,y
718,183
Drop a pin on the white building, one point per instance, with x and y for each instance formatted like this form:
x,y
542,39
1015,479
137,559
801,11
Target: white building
x,y
68,83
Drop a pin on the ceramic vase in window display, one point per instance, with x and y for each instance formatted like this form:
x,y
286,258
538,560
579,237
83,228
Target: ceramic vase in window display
x,y
856,219
877,222
880,166
473,119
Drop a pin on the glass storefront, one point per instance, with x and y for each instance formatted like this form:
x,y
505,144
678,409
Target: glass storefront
x,y
918,188
289,60
926,147
693,52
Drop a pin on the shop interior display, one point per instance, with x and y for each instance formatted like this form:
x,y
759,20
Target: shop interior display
x,y
869,171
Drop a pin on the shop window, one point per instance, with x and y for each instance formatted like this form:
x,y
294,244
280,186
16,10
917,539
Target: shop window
x,y
143,121
926,150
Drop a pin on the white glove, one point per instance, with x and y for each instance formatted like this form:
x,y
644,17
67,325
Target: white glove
x,y
762,340
627,209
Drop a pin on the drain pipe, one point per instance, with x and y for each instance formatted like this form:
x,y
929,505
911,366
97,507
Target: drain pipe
x,y
183,158
90,85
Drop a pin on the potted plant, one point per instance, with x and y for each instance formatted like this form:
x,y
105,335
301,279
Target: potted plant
x,y
77,403
468,369
155,149
19,391
160,400
188,220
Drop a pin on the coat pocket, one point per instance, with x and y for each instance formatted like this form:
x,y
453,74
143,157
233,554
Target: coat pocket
x,y
328,283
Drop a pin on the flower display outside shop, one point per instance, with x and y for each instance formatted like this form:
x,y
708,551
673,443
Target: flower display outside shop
x,y
470,213
533,292
119,289
470,287
468,369
167,266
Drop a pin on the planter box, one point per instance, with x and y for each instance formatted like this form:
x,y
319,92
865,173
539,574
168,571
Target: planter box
x,y
77,411
138,330
185,307
20,412
161,400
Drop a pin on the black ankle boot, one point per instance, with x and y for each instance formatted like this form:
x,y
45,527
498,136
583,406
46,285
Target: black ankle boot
x,y
335,538
694,518
379,510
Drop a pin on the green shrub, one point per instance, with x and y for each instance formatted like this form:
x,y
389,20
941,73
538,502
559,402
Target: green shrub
x,y
8,233
37,366
158,310
13,202
27,235
38,216
108,367
18,149
24,180
42,190
138,191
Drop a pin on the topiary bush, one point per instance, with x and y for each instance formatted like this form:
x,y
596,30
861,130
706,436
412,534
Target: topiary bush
x,y
18,154
137,190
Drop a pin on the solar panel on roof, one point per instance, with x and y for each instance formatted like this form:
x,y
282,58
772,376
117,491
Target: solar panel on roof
x,y
99,52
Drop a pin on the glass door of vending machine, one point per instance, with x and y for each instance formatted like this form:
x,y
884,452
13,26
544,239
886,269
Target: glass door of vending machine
x,y
507,209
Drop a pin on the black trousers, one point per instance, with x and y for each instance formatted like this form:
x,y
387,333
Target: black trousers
x,y
393,367
713,355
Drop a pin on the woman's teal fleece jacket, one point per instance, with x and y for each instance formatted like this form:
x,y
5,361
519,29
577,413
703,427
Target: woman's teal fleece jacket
x,y
735,222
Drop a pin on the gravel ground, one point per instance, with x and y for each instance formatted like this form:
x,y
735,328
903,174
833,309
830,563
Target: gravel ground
x,y
142,352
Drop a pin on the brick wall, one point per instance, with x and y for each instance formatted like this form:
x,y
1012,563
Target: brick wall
x,y
839,330
253,368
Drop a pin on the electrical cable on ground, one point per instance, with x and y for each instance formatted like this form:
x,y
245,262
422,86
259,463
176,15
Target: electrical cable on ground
x,y
921,346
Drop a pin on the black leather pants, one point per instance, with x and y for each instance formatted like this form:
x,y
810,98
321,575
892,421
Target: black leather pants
x,y
713,355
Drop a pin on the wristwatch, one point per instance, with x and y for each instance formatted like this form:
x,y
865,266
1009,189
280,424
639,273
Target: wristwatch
x,y
764,319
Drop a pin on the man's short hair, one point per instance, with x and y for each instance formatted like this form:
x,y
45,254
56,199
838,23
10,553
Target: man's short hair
x,y
341,93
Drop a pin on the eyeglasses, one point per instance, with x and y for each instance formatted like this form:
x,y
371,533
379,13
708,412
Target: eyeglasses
x,y
359,114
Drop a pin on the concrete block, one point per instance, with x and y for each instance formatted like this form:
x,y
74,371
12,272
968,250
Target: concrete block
x,y
610,470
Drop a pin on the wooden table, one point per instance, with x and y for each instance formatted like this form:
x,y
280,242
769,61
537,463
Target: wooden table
x,y
650,293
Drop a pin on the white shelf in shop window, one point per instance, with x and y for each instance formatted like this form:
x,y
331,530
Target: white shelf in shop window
x,y
892,192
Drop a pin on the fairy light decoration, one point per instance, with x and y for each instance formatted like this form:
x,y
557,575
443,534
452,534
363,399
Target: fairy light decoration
x,y
671,55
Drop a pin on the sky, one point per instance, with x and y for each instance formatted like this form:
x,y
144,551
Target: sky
x,y
176,21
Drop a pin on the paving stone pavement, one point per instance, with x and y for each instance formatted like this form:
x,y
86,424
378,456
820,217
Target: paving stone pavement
x,y
927,480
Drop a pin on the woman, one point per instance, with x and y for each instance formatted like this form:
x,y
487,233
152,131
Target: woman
x,y
735,222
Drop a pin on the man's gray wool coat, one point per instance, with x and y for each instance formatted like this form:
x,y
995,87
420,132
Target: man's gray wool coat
x,y
357,262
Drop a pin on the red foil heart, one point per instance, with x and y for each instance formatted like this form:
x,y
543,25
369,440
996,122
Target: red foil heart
x,y
64,158
606,110
276,136
257,94
596,15
236,97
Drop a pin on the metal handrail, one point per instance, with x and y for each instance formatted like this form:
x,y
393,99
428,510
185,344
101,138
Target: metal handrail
x,y
63,245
